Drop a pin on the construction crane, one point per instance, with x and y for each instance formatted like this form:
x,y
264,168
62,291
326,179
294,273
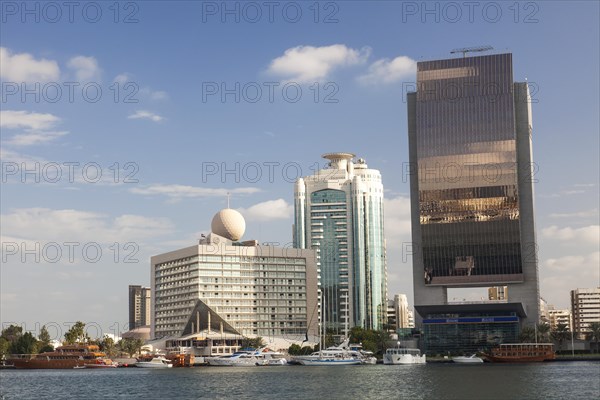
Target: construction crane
x,y
466,50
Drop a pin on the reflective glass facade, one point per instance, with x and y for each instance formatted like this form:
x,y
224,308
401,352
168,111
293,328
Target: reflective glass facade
x,y
467,171
339,212
329,235
468,333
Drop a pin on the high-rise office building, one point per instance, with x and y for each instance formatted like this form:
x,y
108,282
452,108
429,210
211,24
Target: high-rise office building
x,y
248,289
469,128
339,212
139,306
585,307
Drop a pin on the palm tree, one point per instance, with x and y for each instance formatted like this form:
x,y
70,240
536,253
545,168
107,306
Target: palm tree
x,y
543,332
527,335
595,333
560,334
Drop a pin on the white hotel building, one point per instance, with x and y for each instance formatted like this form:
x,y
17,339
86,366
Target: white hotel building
x,y
241,288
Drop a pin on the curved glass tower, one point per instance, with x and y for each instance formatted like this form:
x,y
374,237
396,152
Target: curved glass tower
x,y
339,212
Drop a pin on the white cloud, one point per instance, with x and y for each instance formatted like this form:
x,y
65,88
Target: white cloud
x,y
587,234
142,114
560,275
122,78
389,71
11,119
305,64
579,214
46,225
268,210
22,67
31,139
85,68
159,95
184,191
34,125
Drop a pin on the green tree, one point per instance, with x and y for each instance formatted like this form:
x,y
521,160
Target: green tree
x,y
77,334
543,333
527,335
595,334
108,345
255,343
26,344
130,346
560,334
44,340
12,333
4,348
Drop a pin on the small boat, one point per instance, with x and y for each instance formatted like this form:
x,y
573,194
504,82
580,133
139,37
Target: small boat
x,y
472,359
403,356
242,358
101,363
273,358
156,362
334,355
522,352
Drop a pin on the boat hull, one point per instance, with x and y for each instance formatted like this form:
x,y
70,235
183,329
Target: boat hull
x,y
152,365
467,360
46,364
329,362
403,359
520,359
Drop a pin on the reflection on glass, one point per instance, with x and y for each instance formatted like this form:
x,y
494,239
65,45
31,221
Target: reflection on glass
x,y
467,175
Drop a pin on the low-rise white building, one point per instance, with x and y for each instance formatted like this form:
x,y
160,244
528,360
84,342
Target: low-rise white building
x,y
234,289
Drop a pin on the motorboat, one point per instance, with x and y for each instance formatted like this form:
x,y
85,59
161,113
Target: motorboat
x,y
403,356
242,358
334,355
472,359
272,358
156,362
101,363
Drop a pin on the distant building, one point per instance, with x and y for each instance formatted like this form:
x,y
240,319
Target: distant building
x,y
339,212
411,319
402,310
392,322
585,307
472,213
559,317
231,289
139,306
544,315
498,293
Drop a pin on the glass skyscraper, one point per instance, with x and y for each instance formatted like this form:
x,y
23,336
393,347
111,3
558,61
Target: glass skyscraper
x,y
472,195
339,212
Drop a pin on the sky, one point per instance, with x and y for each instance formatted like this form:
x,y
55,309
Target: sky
x,y
124,125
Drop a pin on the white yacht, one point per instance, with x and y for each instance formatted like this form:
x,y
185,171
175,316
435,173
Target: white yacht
x,y
242,358
156,362
273,358
403,355
472,359
335,355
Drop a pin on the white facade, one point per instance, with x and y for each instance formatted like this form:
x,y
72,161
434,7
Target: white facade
x,y
258,290
559,317
585,306
402,311
339,212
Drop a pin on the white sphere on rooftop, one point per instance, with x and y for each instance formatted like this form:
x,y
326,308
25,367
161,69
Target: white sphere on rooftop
x,y
229,224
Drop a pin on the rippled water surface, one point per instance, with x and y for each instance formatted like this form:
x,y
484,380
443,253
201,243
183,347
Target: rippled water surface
x,y
558,380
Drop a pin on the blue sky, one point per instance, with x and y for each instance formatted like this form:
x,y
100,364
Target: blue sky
x,y
352,73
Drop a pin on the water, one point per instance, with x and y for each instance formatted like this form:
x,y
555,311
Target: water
x,y
557,380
